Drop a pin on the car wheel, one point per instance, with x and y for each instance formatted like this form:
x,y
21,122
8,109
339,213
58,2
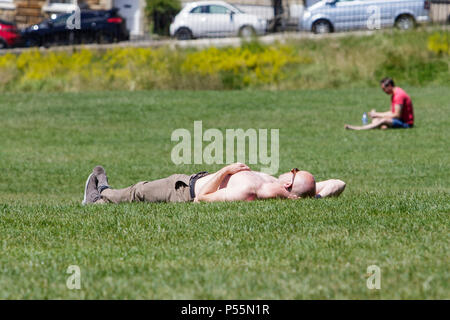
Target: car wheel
x,y
183,34
247,32
3,44
405,22
322,26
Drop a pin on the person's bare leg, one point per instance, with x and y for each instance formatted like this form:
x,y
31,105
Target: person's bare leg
x,y
376,123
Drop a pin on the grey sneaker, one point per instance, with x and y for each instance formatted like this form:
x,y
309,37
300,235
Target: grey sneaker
x,y
91,193
102,179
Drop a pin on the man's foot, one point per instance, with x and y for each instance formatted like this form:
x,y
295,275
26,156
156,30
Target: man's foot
x,y
102,179
91,193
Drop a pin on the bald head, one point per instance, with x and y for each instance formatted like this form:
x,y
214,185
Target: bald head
x,y
304,183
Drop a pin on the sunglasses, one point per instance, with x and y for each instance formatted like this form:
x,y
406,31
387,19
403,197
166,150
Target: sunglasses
x,y
294,172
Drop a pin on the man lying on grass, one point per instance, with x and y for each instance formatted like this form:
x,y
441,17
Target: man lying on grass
x,y
232,183
401,114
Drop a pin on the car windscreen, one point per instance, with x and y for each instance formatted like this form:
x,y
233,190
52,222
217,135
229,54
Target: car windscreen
x,y
60,20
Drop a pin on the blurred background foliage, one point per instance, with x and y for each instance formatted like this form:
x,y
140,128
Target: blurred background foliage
x,y
160,13
411,58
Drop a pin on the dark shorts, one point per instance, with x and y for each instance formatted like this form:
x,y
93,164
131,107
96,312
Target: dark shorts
x,y
396,123
193,180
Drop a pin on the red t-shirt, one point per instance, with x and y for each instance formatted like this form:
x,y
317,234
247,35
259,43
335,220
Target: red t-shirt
x,y
400,97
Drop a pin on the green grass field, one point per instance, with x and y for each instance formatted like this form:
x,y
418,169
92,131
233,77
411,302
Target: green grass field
x,y
394,212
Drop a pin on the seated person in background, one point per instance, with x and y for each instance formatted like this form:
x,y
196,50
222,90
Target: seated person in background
x,y
401,114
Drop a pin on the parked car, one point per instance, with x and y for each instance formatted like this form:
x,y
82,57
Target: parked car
x,y
214,19
337,15
9,35
101,26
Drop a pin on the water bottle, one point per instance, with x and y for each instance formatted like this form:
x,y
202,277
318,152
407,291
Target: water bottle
x,y
365,120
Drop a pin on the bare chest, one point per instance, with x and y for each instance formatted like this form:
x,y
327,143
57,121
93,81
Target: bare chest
x,y
244,180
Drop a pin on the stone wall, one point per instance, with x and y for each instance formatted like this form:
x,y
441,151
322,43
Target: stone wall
x,y
29,11
98,4
8,14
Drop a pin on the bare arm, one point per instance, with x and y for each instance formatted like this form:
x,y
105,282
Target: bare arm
x,y
209,192
274,190
330,188
388,114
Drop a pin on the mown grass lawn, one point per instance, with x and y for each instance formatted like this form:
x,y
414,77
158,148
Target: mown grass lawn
x,y
393,214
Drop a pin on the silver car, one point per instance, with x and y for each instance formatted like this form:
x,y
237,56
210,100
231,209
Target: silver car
x,y
338,15
215,19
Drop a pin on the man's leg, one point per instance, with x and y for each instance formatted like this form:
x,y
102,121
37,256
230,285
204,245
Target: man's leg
x,y
383,123
161,190
131,194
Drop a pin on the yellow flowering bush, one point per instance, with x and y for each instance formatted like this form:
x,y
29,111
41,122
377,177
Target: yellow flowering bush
x,y
439,43
121,68
147,68
254,67
8,69
326,63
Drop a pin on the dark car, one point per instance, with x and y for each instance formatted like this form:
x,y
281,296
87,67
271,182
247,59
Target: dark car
x,y
9,35
96,26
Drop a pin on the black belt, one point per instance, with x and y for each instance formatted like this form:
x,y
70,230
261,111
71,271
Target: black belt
x,y
193,180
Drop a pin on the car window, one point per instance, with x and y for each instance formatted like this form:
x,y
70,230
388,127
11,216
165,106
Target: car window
x,y
200,9
218,9
60,20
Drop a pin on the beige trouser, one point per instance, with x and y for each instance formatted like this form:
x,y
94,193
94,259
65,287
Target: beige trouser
x,y
171,189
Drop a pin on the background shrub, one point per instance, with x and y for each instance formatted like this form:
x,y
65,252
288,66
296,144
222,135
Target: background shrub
x,y
161,13
411,58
